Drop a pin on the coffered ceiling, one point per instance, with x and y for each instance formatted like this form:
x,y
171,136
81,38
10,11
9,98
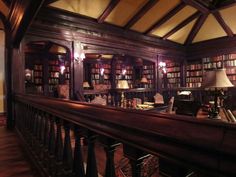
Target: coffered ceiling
x,y
181,21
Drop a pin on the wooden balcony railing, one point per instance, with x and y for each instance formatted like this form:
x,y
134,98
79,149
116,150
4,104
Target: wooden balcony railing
x,y
52,131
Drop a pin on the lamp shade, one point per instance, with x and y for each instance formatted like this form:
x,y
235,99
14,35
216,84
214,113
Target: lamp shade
x,y
86,84
122,84
216,79
144,80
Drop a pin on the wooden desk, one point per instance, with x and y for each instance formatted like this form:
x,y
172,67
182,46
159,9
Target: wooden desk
x,y
204,115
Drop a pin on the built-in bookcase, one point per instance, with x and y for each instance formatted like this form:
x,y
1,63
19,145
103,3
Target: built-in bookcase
x,y
173,74
194,74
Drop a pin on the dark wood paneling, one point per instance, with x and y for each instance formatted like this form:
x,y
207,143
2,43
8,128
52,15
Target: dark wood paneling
x,y
213,47
22,13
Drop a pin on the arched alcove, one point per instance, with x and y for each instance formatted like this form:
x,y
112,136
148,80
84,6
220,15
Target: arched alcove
x,y
47,69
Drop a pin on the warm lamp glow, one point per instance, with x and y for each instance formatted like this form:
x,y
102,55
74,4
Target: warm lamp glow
x,y
144,80
62,69
123,84
102,71
86,84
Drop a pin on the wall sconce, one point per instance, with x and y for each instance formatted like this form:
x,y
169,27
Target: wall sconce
x,y
124,72
102,71
62,69
79,54
162,66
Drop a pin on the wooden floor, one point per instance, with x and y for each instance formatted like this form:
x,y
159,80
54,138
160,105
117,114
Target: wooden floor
x,y
13,162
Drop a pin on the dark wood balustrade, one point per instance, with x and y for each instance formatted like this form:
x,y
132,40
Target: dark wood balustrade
x,y
46,126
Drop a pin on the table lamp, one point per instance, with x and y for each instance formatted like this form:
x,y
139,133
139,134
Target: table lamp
x,y
122,84
216,79
86,85
144,81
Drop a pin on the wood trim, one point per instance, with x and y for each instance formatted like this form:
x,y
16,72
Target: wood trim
x,y
21,15
166,18
221,21
141,13
196,5
108,10
196,27
182,24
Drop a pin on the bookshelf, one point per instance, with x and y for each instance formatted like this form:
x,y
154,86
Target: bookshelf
x,y
124,71
148,72
173,75
230,65
194,74
38,76
100,74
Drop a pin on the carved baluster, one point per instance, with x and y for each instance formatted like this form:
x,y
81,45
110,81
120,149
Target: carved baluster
x,y
78,166
51,146
91,170
46,139
59,148
136,158
109,147
67,151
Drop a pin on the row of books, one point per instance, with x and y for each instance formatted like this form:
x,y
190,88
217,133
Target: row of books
x,y
148,67
38,80
173,75
148,71
54,74
193,73
67,76
174,80
230,63
97,70
53,62
232,77
127,72
195,84
124,67
194,67
97,66
194,79
212,65
53,81
173,69
38,67
38,73
107,82
231,70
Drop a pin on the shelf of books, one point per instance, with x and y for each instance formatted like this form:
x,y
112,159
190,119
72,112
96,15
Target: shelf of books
x,y
173,75
148,72
194,74
38,76
124,72
230,65
100,75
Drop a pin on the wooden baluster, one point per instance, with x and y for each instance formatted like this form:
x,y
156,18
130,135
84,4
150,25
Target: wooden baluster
x,y
91,170
59,148
51,145
67,151
109,147
136,158
78,166
46,139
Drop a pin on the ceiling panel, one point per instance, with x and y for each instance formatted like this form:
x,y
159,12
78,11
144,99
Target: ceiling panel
x,y
181,35
4,9
229,17
154,14
174,21
210,29
124,11
90,8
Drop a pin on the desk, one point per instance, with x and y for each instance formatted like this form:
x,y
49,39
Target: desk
x,y
204,115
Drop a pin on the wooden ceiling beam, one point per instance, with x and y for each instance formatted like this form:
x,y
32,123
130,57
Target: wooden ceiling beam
x,y
196,27
196,5
141,13
47,2
225,5
221,21
108,10
182,24
166,17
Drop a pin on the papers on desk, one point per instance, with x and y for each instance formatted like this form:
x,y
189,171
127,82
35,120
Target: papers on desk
x,y
231,116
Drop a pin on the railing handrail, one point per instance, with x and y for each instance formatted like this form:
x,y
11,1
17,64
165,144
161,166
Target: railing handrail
x,y
200,143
